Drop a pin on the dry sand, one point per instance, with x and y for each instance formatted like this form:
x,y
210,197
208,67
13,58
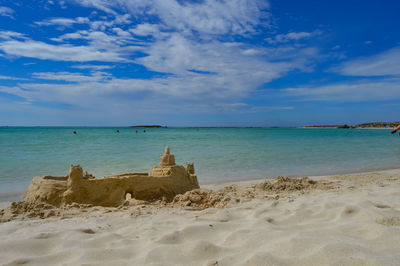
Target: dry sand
x,y
336,220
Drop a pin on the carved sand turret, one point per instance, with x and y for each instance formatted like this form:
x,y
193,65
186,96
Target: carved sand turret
x,y
167,159
166,180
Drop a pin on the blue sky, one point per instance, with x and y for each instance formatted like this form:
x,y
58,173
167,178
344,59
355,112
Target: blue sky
x,y
198,63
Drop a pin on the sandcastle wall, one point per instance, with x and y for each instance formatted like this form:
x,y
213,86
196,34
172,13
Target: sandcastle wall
x,y
166,180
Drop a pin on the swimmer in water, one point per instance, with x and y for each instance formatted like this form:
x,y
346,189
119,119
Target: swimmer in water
x,y
144,131
136,131
117,131
395,129
74,132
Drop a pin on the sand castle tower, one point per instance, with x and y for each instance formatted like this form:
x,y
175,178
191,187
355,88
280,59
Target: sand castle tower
x,y
167,166
168,169
167,159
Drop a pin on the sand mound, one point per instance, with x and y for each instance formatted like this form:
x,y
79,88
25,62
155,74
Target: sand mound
x,y
284,183
26,209
203,198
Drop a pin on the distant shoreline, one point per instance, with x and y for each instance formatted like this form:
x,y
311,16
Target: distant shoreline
x,y
373,125
149,126
346,128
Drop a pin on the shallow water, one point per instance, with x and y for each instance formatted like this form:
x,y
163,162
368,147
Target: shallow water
x,y
219,154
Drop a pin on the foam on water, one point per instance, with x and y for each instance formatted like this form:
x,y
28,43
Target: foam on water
x,y
219,154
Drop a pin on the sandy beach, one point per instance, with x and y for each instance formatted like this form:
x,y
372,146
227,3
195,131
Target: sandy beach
x,y
351,219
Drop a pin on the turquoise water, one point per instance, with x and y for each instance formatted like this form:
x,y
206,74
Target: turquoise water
x,y
219,154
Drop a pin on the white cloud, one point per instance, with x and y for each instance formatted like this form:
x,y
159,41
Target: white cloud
x,y
358,91
99,4
293,36
383,64
10,35
11,78
208,17
93,67
6,12
72,77
99,39
66,22
14,90
146,29
62,4
106,23
121,33
71,36
41,50
251,51
233,72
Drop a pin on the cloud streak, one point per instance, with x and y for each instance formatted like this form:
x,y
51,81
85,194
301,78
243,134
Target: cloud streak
x,y
6,12
45,51
382,64
11,78
358,91
66,22
293,36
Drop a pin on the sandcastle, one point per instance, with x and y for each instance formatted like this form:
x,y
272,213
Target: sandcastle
x,y
164,181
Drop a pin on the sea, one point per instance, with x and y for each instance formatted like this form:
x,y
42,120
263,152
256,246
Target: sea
x,y
219,154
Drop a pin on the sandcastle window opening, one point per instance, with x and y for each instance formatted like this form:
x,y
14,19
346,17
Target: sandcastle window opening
x,y
128,195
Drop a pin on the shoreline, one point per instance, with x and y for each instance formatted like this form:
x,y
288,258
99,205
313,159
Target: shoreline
x,y
208,185
250,182
16,196
359,171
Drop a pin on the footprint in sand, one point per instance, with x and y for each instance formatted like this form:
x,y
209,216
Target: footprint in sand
x,y
46,235
175,237
87,231
18,262
382,206
349,211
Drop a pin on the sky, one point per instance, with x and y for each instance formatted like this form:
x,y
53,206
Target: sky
x,y
199,62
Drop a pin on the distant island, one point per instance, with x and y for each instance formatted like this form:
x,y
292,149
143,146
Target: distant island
x,y
365,125
157,126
